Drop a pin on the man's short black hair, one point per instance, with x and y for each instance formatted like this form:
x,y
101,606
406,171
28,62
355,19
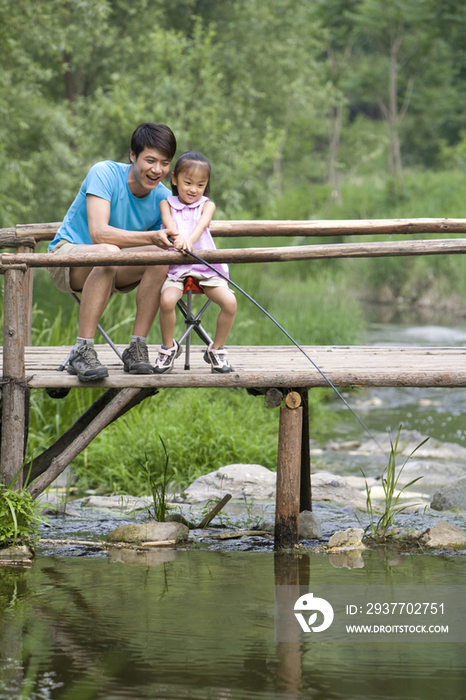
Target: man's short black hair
x,y
158,136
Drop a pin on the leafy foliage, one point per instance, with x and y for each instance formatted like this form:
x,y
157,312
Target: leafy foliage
x,y
390,481
77,78
19,516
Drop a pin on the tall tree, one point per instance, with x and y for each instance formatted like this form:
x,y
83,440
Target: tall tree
x,y
336,16
399,31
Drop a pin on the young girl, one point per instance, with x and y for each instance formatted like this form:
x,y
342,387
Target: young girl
x,y
189,211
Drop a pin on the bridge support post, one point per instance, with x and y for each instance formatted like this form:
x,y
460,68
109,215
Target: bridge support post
x,y
28,285
288,473
14,390
305,497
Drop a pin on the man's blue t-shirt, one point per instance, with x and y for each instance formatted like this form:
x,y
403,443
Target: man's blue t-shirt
x,y
109,181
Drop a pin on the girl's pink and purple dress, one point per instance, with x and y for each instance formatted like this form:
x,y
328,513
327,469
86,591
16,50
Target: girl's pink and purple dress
x,y
185,218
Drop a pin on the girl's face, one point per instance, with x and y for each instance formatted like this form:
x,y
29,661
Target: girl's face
x,y
191,183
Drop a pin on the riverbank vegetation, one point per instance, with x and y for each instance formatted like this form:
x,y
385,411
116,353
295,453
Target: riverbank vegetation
x,y
332,109
19,517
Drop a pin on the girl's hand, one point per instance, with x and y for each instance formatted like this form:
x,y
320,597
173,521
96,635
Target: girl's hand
x,y
186,244
189,245
180,243
173,236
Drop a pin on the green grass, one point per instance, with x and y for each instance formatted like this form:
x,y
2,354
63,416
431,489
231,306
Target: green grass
x,y
380,528
202,430
158,478
426,194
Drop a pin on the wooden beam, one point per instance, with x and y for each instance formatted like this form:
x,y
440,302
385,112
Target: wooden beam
x,y
288,477
14,389
367,227
59,463
40,232
233,229
9,239
373,249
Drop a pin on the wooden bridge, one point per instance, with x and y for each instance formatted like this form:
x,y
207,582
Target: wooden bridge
x,y
268,366
283,374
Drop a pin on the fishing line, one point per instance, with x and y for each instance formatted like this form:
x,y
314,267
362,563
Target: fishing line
x,y
329,382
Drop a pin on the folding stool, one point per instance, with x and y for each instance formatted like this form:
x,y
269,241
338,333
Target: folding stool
x,y
193,322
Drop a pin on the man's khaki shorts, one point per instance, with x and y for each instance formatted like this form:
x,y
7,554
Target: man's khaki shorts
x,y
215,281
60,276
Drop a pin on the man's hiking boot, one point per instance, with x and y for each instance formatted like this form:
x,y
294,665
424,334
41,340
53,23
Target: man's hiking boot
x,y
136,358
218,360
166,358
85,363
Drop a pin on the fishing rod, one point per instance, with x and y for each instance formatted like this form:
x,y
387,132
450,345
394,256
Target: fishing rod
x,y
261,308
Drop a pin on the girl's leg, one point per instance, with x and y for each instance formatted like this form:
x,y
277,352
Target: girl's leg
x,y
168,301
227,302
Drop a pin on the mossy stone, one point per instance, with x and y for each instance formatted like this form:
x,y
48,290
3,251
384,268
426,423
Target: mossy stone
x,y
151,531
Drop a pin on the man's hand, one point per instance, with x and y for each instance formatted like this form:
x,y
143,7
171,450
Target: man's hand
x,y
98,215
181,243
166,238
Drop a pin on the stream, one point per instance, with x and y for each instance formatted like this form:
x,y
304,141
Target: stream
x,y
200,621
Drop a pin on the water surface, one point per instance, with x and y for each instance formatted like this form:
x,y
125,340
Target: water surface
x,y
200,624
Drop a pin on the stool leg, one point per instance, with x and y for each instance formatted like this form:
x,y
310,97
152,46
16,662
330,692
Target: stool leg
x,y
189,316
194,323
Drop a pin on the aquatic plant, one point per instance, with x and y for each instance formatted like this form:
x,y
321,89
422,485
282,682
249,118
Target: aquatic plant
x,y
158,483
392,494
19,516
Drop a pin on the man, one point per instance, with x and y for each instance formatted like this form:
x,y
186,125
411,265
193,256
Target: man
x,y
117,208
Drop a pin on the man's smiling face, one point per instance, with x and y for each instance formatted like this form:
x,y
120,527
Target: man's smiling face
x,y
148,169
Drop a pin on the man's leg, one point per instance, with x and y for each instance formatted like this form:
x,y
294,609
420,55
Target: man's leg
x,y
150,279
95,285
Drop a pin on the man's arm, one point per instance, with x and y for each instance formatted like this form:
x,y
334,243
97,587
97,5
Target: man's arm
x,y
98,216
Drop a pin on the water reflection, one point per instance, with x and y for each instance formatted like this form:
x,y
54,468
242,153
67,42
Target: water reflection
x,y
200,624
290,569
352,559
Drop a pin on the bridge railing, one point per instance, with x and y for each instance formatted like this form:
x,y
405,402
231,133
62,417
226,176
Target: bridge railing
x,y
24,238
30,234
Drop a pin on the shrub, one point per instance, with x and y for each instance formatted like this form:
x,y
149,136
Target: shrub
x,y
19,516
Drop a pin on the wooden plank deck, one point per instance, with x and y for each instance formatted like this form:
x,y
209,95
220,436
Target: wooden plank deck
x,y
270,366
